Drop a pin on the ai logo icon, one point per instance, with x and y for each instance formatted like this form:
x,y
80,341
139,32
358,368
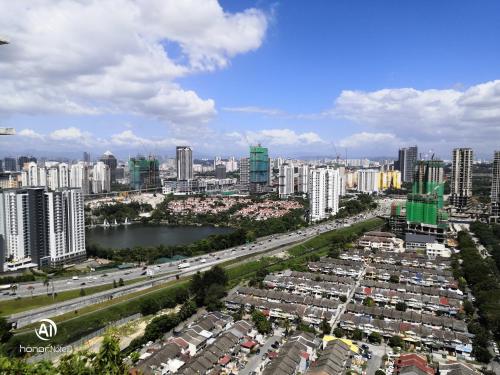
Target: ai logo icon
x,y
46,330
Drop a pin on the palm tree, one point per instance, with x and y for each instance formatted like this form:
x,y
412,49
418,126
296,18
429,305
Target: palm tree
x,y
13,288
31,288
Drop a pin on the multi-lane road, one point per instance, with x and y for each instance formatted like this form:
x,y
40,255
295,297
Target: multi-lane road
x,y
167,272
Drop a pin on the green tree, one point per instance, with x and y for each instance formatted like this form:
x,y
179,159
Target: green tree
x,y
82,292
401,306
396,341
368,301
261,323
109,359
394,279
357,334
149,306
5,333
380,372
468,307
121,282
375,338
325,327
334,252
338,332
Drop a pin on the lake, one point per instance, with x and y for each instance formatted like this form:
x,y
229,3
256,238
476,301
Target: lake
x,y
149,235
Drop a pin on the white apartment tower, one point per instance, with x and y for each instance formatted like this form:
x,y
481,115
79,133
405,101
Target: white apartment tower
x,y
286,180
245,171
79,177
461,178
323,193
303,182
184,158
368,180
101,178
41,227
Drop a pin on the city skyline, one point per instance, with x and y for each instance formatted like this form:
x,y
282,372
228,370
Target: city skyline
x,y
377,86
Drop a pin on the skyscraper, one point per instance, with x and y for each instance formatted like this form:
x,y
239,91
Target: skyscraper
x,y
259,169
323,193
144,173
245,172
109,159
368,180
461,178
220,171
406,162
286,180
303,178
79,177
424,205
9,164
184,158
101,178
22,160
495,187
41,227
86,157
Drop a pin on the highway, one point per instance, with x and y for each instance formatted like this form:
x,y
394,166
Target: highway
x,y
166,272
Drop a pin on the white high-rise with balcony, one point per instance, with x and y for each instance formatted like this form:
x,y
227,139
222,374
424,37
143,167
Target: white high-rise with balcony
x,y
286,186
79,177
368,180
101,178
323,192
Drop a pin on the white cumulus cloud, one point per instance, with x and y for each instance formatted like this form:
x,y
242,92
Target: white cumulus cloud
x,y
118,56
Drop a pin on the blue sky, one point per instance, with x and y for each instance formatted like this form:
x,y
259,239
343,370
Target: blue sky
x,y
303,78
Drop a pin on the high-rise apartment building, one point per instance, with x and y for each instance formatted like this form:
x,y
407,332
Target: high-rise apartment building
x,y
461,178
41,227
245,172
220,171
303,182
86,157
184,159
22,160
389,179
80,177
323,193
144,173
9,164
101,178
424,205
109,159
495,188
259,169
406,162
286,180
368,180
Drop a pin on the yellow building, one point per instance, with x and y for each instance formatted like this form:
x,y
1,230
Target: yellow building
x,y
389,179
327,338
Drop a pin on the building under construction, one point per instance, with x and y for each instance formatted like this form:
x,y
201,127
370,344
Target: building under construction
x,y
424,211
144,173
